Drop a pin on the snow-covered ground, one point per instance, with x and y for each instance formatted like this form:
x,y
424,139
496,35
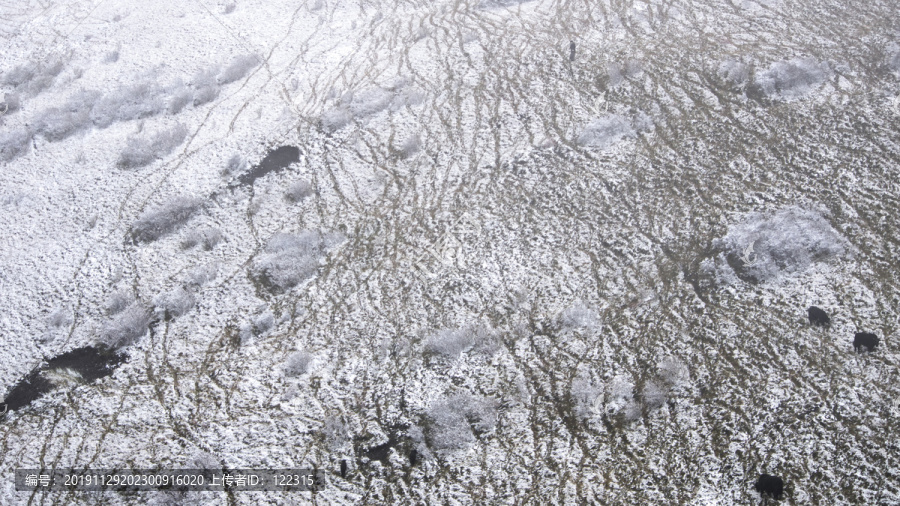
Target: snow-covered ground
x,y
557,276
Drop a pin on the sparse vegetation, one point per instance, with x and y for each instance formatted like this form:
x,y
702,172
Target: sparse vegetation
x,y
164,219
127,327
297,191
297,363
141,150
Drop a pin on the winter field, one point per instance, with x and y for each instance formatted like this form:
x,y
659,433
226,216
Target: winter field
x,y
484,252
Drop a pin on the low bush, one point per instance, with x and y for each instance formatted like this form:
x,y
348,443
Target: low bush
x,y
129,103
453,342
297,364
142,150
208,238
298,191
14,144
174,303
118,301
126,327
161,220
289,259
238,68
458,418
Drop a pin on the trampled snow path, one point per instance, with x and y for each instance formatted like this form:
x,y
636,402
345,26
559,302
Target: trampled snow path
x,y
502,258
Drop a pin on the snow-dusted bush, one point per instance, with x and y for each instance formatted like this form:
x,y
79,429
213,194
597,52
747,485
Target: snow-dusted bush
x,y
605,131
174,303
238,68
297,191
452,342
179,98
586,394
673,372
129,103
734,73
161,220
11,103
142,150
263,323
34,78
791,79
14,144
126,327
654,395
58,123
892,57
208,238
297,363
335,119
369,102
620,393
60,317
289,259
457,419
762,246
199,276
118,301
410,146
490,4
205,87
577,316
235,164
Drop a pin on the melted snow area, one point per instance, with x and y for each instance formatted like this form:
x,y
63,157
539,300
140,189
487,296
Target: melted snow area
x,y
440,243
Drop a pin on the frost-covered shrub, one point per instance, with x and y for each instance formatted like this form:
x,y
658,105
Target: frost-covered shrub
x,y
205,87
161,220
238,68
632,411
654,395
14,144
605,131
585,394
289,259
335,431
126,327
614,75
60,317
58,123
235,164
410,146
179,98
118,301
208,238
11,103
763,246
734,73
199,276
577,316
33,79
453,342
142,150
335,119
791,79
263,323
174,303
489,4
297,363
620,393
297,191
129,103
673,372
369,102
457,419
892,57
